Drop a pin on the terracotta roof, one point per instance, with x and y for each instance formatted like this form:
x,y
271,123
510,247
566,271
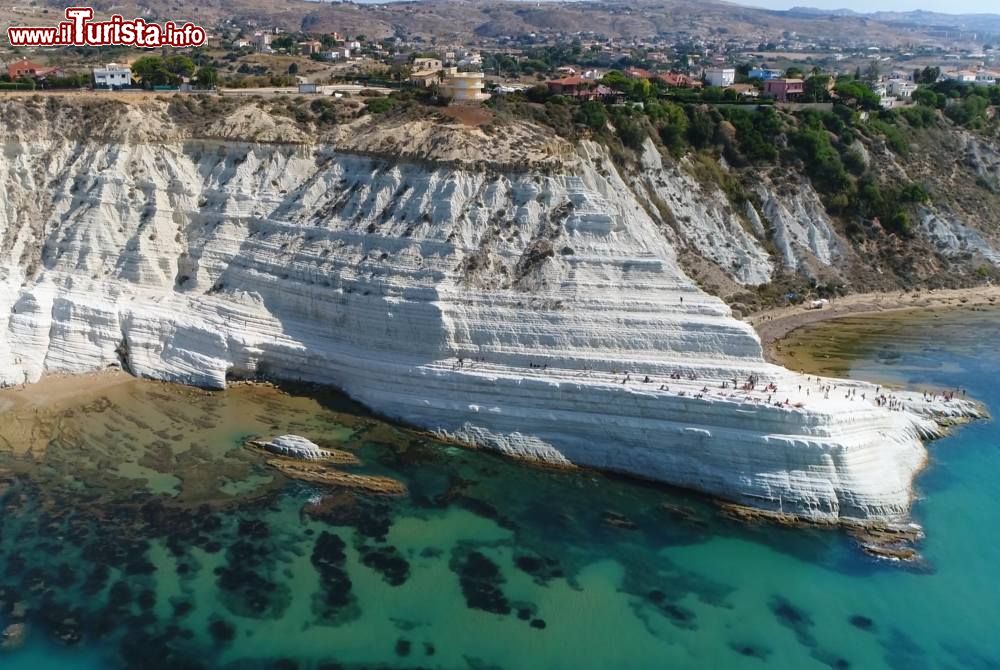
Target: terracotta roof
x,y
570,81
638,72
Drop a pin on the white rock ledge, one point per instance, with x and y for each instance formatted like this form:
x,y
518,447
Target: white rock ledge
x,y
293,446
502,309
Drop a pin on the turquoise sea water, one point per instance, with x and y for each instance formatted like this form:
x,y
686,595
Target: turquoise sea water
x,y
143,536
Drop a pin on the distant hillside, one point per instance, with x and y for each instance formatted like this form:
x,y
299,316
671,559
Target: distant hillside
x,y
448,21
984,23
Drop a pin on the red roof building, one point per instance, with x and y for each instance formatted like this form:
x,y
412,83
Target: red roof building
x,y
569,85
638,73
24,68
678,80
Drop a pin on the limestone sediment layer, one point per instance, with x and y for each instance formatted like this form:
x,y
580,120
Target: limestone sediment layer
x,y
516,309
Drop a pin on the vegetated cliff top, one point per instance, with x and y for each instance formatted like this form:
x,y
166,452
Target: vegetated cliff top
x,y
457,135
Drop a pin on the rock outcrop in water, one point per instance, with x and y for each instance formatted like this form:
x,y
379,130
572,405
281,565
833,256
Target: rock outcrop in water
x,y
537,309
293,446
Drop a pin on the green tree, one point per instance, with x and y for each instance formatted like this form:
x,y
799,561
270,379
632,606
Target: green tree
x,y
293,69
152,71
179,65
925,96
701,127
642,89
814,89
379,105
617,81
632,133
592,115
857,94
872,73
208,77
929,75
538,93
822,162
970,111
673,126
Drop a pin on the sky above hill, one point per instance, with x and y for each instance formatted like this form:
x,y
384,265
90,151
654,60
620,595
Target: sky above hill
x,y
946,6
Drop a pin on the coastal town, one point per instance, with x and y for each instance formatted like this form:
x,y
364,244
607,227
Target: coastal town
x,y
714,66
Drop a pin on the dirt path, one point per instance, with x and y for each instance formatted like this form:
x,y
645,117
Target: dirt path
x,y
773,325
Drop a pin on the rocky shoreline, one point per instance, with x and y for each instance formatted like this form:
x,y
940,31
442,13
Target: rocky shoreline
x,y
775,324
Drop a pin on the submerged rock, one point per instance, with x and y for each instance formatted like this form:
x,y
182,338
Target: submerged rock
x,y
13,636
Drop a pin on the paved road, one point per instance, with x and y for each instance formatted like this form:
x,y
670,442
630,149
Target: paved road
x,y
329,89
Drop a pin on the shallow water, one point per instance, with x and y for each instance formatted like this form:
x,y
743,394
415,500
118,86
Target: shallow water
x,y
138,533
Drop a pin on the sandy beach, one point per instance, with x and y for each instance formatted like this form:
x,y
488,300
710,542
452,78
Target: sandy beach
x,y
773,325
54,390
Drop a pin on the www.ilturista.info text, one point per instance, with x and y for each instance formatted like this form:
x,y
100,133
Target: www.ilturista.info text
x,y
79,30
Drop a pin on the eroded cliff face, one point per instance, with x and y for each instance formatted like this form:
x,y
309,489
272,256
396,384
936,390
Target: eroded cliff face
x,y
520,309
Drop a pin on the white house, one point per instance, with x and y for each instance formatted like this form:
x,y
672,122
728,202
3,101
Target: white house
x,y
340,53
112,75
900,88
471,60
721,77
985,78
963,76
427,64
261,41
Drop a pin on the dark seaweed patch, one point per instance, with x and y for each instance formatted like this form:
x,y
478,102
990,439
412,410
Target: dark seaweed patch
x,y
676,614
329,557
182,608
791,617
485,510
750,650
862,622
481,583
902,652
831,659
387,561
543,569
403,647
221,631
246,589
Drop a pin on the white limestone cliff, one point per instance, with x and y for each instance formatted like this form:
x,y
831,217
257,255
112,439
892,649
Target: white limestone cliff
x,y
803,232
954,238
521,310
703,217
983,157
